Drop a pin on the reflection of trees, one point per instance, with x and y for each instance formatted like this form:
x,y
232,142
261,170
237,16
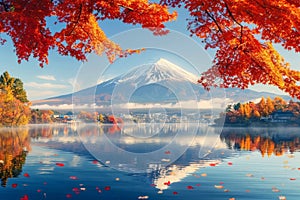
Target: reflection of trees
x,y
14,144
267,144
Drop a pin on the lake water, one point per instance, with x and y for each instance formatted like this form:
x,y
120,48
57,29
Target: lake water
x,y
149,161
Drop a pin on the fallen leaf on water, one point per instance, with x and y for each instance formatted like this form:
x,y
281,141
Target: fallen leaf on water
x,y
232,198
175,193
95,161
60,164
249,175
69,196
26,175
82,188
198,184
160,192
167,152
219,186
14,185
226,190
143,197
76,190
189,187
204,174
282,198
167,183
274,189
292,179
117,179
229,163
107,188
38,190
212,164
25,197
247,190
73,177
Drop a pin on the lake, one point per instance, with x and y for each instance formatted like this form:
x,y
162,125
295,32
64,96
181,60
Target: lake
x,y
149,161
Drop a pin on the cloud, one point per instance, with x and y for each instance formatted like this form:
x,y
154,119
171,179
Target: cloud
x,y
46,77
45,85
215,103
40,94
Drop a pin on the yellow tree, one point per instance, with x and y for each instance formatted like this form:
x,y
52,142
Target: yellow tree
x,y
269,106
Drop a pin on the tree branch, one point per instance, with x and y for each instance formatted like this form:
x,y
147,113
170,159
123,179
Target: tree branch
x,y
233,18
215,21
77,21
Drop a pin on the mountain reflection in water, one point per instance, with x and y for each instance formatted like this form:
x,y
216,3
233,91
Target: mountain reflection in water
x,y
142,150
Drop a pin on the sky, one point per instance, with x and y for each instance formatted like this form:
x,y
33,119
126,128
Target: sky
x,y
64,74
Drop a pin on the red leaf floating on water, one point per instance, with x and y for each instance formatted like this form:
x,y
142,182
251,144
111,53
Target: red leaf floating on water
x,y
60,164
95,162
198,184
73,177
25,197
26,175
14,185
69,196
167,183
107,188
167,152
38,190
175,193
212,164
189,187
229,163
292,179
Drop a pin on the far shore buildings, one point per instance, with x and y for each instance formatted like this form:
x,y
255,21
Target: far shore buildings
x,y
279,117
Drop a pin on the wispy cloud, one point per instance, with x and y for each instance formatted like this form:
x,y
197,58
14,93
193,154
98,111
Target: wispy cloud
x,y
46,77
45,85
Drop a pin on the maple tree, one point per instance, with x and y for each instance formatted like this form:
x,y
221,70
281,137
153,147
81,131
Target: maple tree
x,y
241,32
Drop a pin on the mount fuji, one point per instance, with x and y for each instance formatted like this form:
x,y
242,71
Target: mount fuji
x,y
160,82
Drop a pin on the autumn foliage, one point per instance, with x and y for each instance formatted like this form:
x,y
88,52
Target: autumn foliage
x,y
250,112
14,106
71,26
241,32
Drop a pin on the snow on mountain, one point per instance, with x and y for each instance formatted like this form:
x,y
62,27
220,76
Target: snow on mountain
x,y
160,82
162,70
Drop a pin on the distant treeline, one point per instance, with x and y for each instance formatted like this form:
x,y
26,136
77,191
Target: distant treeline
x,y
266,110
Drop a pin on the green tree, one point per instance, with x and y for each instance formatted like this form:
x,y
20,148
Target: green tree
x,y
14,85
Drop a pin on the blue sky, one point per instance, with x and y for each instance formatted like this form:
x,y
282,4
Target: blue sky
x,y
65,74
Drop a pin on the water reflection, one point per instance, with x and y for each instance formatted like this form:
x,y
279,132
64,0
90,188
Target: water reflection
x,y
15,143
162,163
277,141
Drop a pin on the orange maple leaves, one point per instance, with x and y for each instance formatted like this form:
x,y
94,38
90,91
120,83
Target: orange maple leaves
x,y
242,32
76,32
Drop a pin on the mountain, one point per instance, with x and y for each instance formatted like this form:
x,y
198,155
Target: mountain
x,y
160,82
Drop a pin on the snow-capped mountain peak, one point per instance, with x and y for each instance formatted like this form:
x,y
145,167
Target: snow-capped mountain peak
x,y
161,70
